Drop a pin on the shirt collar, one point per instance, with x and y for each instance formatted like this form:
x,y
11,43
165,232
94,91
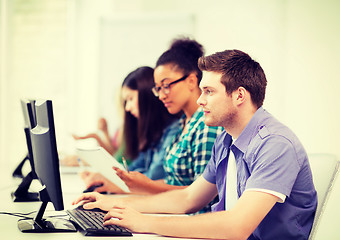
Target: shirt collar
x,y
197,115
227,140
249,131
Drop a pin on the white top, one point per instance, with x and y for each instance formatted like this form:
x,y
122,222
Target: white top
x,y
231,183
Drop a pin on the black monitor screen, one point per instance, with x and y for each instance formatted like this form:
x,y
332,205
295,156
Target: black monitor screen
x,y
45,154
22,193
46,161
28,109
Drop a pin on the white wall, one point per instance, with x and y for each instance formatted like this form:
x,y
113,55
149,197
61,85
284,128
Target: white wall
x,y
34,65
312,99
295,41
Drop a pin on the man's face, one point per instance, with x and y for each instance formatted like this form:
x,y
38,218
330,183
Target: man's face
x,y
218,107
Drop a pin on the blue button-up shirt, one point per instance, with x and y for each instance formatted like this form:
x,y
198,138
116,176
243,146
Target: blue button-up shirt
x,y
151,161
268,156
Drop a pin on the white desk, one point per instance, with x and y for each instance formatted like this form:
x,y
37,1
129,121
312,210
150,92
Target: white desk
x,y
72,187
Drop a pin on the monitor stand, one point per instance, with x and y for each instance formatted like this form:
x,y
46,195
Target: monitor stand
x,y
21,194
41,225
18,170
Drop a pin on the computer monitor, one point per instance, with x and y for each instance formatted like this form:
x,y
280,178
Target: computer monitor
x,y
46,162
28,110
22,194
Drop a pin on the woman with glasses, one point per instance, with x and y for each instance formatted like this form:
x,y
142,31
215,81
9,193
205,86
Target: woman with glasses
x,y
148,129
177,79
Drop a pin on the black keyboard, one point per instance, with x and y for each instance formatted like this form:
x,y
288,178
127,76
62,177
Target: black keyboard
x,y
90,223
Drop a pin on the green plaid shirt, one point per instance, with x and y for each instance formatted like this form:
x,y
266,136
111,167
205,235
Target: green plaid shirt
x,y
190,151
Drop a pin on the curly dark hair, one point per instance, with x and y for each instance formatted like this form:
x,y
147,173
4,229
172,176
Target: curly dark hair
x,y
183,54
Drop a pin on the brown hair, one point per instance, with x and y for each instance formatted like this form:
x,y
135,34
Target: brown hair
x,y
238,69
140,134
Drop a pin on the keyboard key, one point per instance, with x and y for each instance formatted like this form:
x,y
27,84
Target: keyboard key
x,y
90,223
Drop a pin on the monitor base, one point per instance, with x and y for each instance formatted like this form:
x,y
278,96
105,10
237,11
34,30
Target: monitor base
x,y
27,197
46,226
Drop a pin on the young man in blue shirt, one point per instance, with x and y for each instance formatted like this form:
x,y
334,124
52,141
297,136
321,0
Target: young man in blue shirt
x,y
258,168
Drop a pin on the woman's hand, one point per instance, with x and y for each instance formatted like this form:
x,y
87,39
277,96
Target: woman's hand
x,y
137,182
93,178
69,160
87,136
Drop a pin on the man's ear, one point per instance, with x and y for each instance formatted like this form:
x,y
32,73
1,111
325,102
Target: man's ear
x,y
240,95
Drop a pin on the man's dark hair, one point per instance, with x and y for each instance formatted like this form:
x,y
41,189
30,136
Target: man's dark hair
x,y
238,69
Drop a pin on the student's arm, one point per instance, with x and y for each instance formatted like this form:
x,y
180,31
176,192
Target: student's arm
x,y
202,144
104,144
190,199
138,183
102,139
238,223
95,178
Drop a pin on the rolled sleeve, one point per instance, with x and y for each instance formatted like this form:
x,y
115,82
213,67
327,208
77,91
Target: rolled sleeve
x,y
274,167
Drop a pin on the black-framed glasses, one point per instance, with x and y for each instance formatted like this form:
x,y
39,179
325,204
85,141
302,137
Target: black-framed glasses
x,y
165,88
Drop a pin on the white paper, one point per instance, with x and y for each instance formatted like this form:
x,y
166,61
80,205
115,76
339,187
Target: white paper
x,y
101,161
